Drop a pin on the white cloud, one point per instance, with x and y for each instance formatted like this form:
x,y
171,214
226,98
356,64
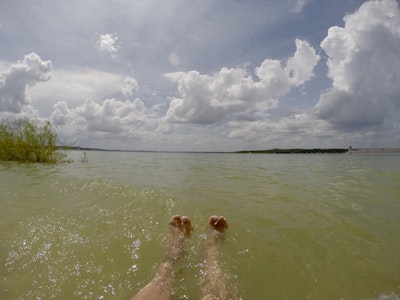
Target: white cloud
x,y
303,130
23,74
300,4
108,42
75,85
213,107
209,99
90,120
110,115
62,114
26,112
364,65
300,67
130,86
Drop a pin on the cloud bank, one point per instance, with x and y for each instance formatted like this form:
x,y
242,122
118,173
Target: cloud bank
x,y
212,98
364,65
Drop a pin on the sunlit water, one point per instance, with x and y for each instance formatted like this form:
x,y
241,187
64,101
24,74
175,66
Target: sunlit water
x,y
301,226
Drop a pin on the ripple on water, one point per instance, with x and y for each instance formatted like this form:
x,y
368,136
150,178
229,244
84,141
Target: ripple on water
x,y
91,240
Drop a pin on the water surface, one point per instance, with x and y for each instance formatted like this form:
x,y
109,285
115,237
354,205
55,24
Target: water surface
x,y
301,226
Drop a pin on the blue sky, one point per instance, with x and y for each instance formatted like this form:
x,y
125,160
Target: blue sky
x,y
204,75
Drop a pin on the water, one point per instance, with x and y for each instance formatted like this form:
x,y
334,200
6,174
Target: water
x,y
301,226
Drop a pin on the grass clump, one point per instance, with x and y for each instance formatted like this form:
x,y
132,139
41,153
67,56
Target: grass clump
x,y
29,141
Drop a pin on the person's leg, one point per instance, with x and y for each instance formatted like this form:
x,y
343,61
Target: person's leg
x,y
160,286
214,279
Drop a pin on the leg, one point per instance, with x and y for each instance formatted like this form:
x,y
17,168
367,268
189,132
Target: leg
x,y
214,286
160,286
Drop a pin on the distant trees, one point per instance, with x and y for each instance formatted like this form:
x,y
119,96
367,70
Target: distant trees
x,y
296,151
29,141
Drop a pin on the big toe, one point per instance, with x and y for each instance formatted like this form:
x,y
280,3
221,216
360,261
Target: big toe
x,y
187,225
175,221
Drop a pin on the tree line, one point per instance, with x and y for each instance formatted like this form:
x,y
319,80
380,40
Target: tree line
x,y
296,151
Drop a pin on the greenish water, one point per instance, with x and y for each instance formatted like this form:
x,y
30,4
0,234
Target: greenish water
x,y
301,226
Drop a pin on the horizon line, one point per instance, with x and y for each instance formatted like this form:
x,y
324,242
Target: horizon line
x,y
273,150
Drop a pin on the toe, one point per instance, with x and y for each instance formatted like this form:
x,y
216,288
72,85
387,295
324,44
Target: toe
x,y
213,220
175,221
221,223
187,224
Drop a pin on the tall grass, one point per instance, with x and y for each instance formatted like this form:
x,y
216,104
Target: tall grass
x,y
29,141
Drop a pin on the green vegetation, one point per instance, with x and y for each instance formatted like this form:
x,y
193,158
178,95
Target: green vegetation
x,y
29,141
291,151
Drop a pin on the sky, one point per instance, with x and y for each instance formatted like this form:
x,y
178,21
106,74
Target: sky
x,y
204,75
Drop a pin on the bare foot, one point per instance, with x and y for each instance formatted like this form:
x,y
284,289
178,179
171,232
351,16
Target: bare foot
x,y
181,228
181,224
218,223
213,277
160,287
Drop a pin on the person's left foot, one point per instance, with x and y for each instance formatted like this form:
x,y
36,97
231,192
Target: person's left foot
x,y
181,228
182,223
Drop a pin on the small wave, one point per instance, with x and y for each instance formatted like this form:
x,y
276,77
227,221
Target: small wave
x,y
385,296
391,296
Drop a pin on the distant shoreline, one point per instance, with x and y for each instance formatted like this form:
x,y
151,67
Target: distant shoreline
x,y
327,151
296,151
269,151
375,151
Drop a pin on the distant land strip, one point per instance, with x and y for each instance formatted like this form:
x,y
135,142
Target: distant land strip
x,y
328,151
295,151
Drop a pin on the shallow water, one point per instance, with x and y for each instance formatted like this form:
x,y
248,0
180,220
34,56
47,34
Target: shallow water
x,y
301,226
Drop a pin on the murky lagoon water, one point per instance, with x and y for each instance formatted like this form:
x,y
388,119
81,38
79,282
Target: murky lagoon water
x,y
301,226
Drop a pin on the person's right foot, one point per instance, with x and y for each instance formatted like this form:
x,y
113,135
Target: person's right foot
x,y
218,223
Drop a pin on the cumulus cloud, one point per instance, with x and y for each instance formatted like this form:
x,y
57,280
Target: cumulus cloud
x,y
108,42
26,112
296,130
14,81
211,98
130,86
364,65
108,118
302,130
110,115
